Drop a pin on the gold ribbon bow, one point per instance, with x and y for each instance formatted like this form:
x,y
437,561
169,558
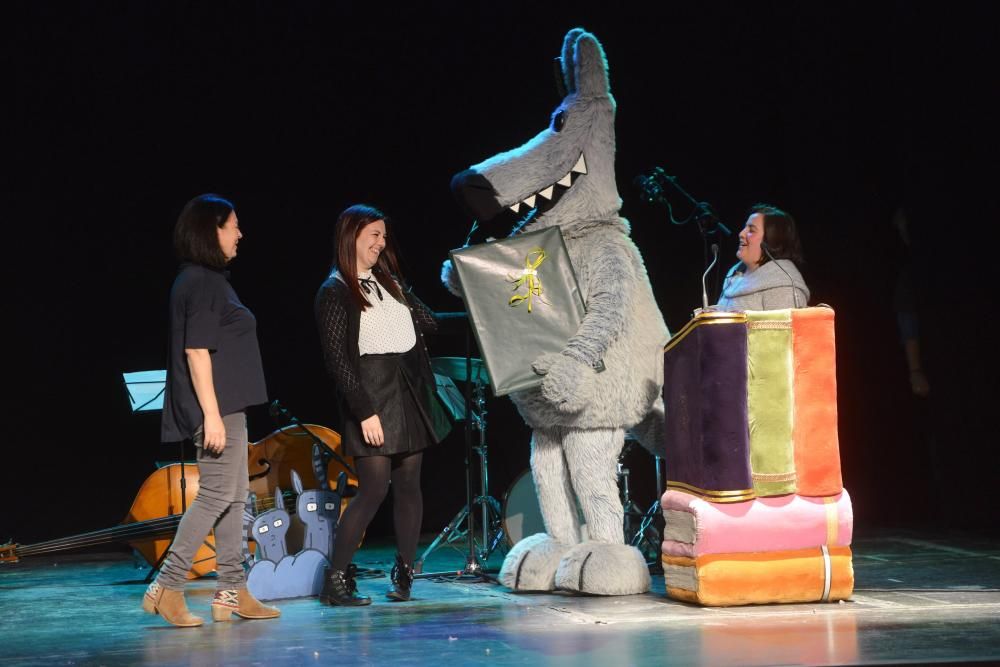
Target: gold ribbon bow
x,y
528,279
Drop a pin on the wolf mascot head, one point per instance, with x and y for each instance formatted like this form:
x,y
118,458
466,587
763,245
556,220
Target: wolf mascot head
x,y
565,175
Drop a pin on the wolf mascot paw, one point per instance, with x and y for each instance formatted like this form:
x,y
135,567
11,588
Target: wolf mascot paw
x,y
568,384
603,569
531,565
449,278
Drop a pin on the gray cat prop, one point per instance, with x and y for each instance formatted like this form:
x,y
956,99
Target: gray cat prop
x,y
565,176
277,575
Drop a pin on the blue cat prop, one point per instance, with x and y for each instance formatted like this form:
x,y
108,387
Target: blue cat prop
x,y
276,574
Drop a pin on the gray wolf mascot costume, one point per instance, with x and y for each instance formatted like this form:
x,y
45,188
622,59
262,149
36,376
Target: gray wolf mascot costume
x,y
609,376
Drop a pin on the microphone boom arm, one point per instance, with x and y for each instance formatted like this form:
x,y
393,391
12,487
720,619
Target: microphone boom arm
x,y
276,410
652,188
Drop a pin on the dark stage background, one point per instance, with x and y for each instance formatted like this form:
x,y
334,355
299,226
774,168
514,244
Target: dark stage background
x,y
115,114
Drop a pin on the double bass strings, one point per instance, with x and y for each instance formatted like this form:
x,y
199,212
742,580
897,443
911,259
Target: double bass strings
x,y
151,528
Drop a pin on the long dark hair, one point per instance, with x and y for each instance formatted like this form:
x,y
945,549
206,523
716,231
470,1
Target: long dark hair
x,y
780,234
196,236
350,223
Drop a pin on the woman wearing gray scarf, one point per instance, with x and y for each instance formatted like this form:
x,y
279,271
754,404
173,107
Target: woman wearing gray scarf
x,y
766,277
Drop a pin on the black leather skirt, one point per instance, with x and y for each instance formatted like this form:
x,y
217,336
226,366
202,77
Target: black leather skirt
x,y
390,382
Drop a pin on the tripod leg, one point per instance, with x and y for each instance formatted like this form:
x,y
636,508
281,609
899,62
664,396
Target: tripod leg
x,y
632,512
494,533
448,534
647,534
155,569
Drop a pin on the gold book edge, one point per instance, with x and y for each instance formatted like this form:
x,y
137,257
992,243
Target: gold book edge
x,y
735,496
705,319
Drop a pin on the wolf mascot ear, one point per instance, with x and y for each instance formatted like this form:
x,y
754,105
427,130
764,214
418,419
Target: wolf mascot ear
x,y
589,67
609,376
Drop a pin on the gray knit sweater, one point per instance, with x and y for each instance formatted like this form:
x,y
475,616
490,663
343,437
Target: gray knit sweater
x,y
765,288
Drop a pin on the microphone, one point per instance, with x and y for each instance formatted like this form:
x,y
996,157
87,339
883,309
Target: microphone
x,y
651,186
791,283
704,290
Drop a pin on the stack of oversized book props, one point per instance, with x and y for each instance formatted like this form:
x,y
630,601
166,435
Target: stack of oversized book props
x,y
567,325
755,510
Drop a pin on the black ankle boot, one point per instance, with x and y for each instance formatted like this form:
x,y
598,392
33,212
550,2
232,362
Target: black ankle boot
x,y
340,589
402,581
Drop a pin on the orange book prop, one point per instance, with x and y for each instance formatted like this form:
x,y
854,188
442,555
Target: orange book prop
x,y
817,447
721,580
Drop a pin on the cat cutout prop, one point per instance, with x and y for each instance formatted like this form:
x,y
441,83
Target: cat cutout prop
x,y
269,530
299,575
319,510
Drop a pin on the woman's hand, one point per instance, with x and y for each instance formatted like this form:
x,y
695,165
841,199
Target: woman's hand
x,y
371,429
214,434
213,430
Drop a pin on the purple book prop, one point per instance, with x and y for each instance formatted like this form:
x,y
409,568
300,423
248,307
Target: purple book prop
x,y
705,389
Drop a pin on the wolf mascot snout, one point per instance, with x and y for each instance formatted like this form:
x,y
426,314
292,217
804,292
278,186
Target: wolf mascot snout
x,y
609,376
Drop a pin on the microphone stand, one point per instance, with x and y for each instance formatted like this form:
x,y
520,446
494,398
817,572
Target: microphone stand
x,y
276,410
709,223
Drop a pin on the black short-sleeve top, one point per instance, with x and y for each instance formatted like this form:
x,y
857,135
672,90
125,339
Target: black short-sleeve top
x,y
205,313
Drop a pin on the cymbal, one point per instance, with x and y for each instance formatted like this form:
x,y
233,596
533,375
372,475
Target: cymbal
x,y
454,367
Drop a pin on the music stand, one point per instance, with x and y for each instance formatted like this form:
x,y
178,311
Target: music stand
x,y
451,397
145,394
491,523
145,390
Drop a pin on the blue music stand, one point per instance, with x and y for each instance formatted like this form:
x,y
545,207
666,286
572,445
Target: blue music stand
x,y
145,390
145,394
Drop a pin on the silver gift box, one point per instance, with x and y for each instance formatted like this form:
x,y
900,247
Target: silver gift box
x,y
523,301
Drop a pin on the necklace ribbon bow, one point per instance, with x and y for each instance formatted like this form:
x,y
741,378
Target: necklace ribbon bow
x,y
369,284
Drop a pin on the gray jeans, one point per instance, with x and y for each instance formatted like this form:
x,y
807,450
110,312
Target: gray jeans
x,y
222,495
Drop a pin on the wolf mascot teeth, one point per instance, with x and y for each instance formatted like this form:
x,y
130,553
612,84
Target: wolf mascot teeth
x,y
565,176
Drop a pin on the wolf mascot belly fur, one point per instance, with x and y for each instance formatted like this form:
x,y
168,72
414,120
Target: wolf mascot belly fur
x,y
565,176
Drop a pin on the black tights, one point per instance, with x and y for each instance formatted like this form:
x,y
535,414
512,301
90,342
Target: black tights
x,y
374,475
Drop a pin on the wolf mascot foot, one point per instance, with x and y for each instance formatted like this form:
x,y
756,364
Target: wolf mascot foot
x,y
609,376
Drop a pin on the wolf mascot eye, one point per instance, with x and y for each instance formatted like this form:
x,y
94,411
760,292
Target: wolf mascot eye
x,y
558,120
565,176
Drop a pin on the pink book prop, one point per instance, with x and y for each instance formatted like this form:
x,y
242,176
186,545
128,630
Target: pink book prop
x,y
694,527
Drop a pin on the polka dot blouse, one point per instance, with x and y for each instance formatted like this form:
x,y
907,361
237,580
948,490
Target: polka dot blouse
x,y
386,326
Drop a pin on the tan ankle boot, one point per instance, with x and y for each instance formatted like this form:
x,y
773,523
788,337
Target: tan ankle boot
x,y
170,605
240,602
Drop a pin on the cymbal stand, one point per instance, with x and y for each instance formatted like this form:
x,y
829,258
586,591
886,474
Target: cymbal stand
x,y
492,524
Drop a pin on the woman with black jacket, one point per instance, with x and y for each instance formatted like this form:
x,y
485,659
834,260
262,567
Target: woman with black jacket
x,y
371,330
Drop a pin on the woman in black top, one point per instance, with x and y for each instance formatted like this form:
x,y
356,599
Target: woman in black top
x,y
371,330
214,373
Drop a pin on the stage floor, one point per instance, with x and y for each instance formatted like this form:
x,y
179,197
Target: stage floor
x,y
917,599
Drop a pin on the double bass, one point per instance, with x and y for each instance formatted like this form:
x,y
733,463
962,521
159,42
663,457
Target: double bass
x,y
151,522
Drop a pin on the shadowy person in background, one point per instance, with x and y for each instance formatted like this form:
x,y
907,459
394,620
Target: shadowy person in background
x,y
904,302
